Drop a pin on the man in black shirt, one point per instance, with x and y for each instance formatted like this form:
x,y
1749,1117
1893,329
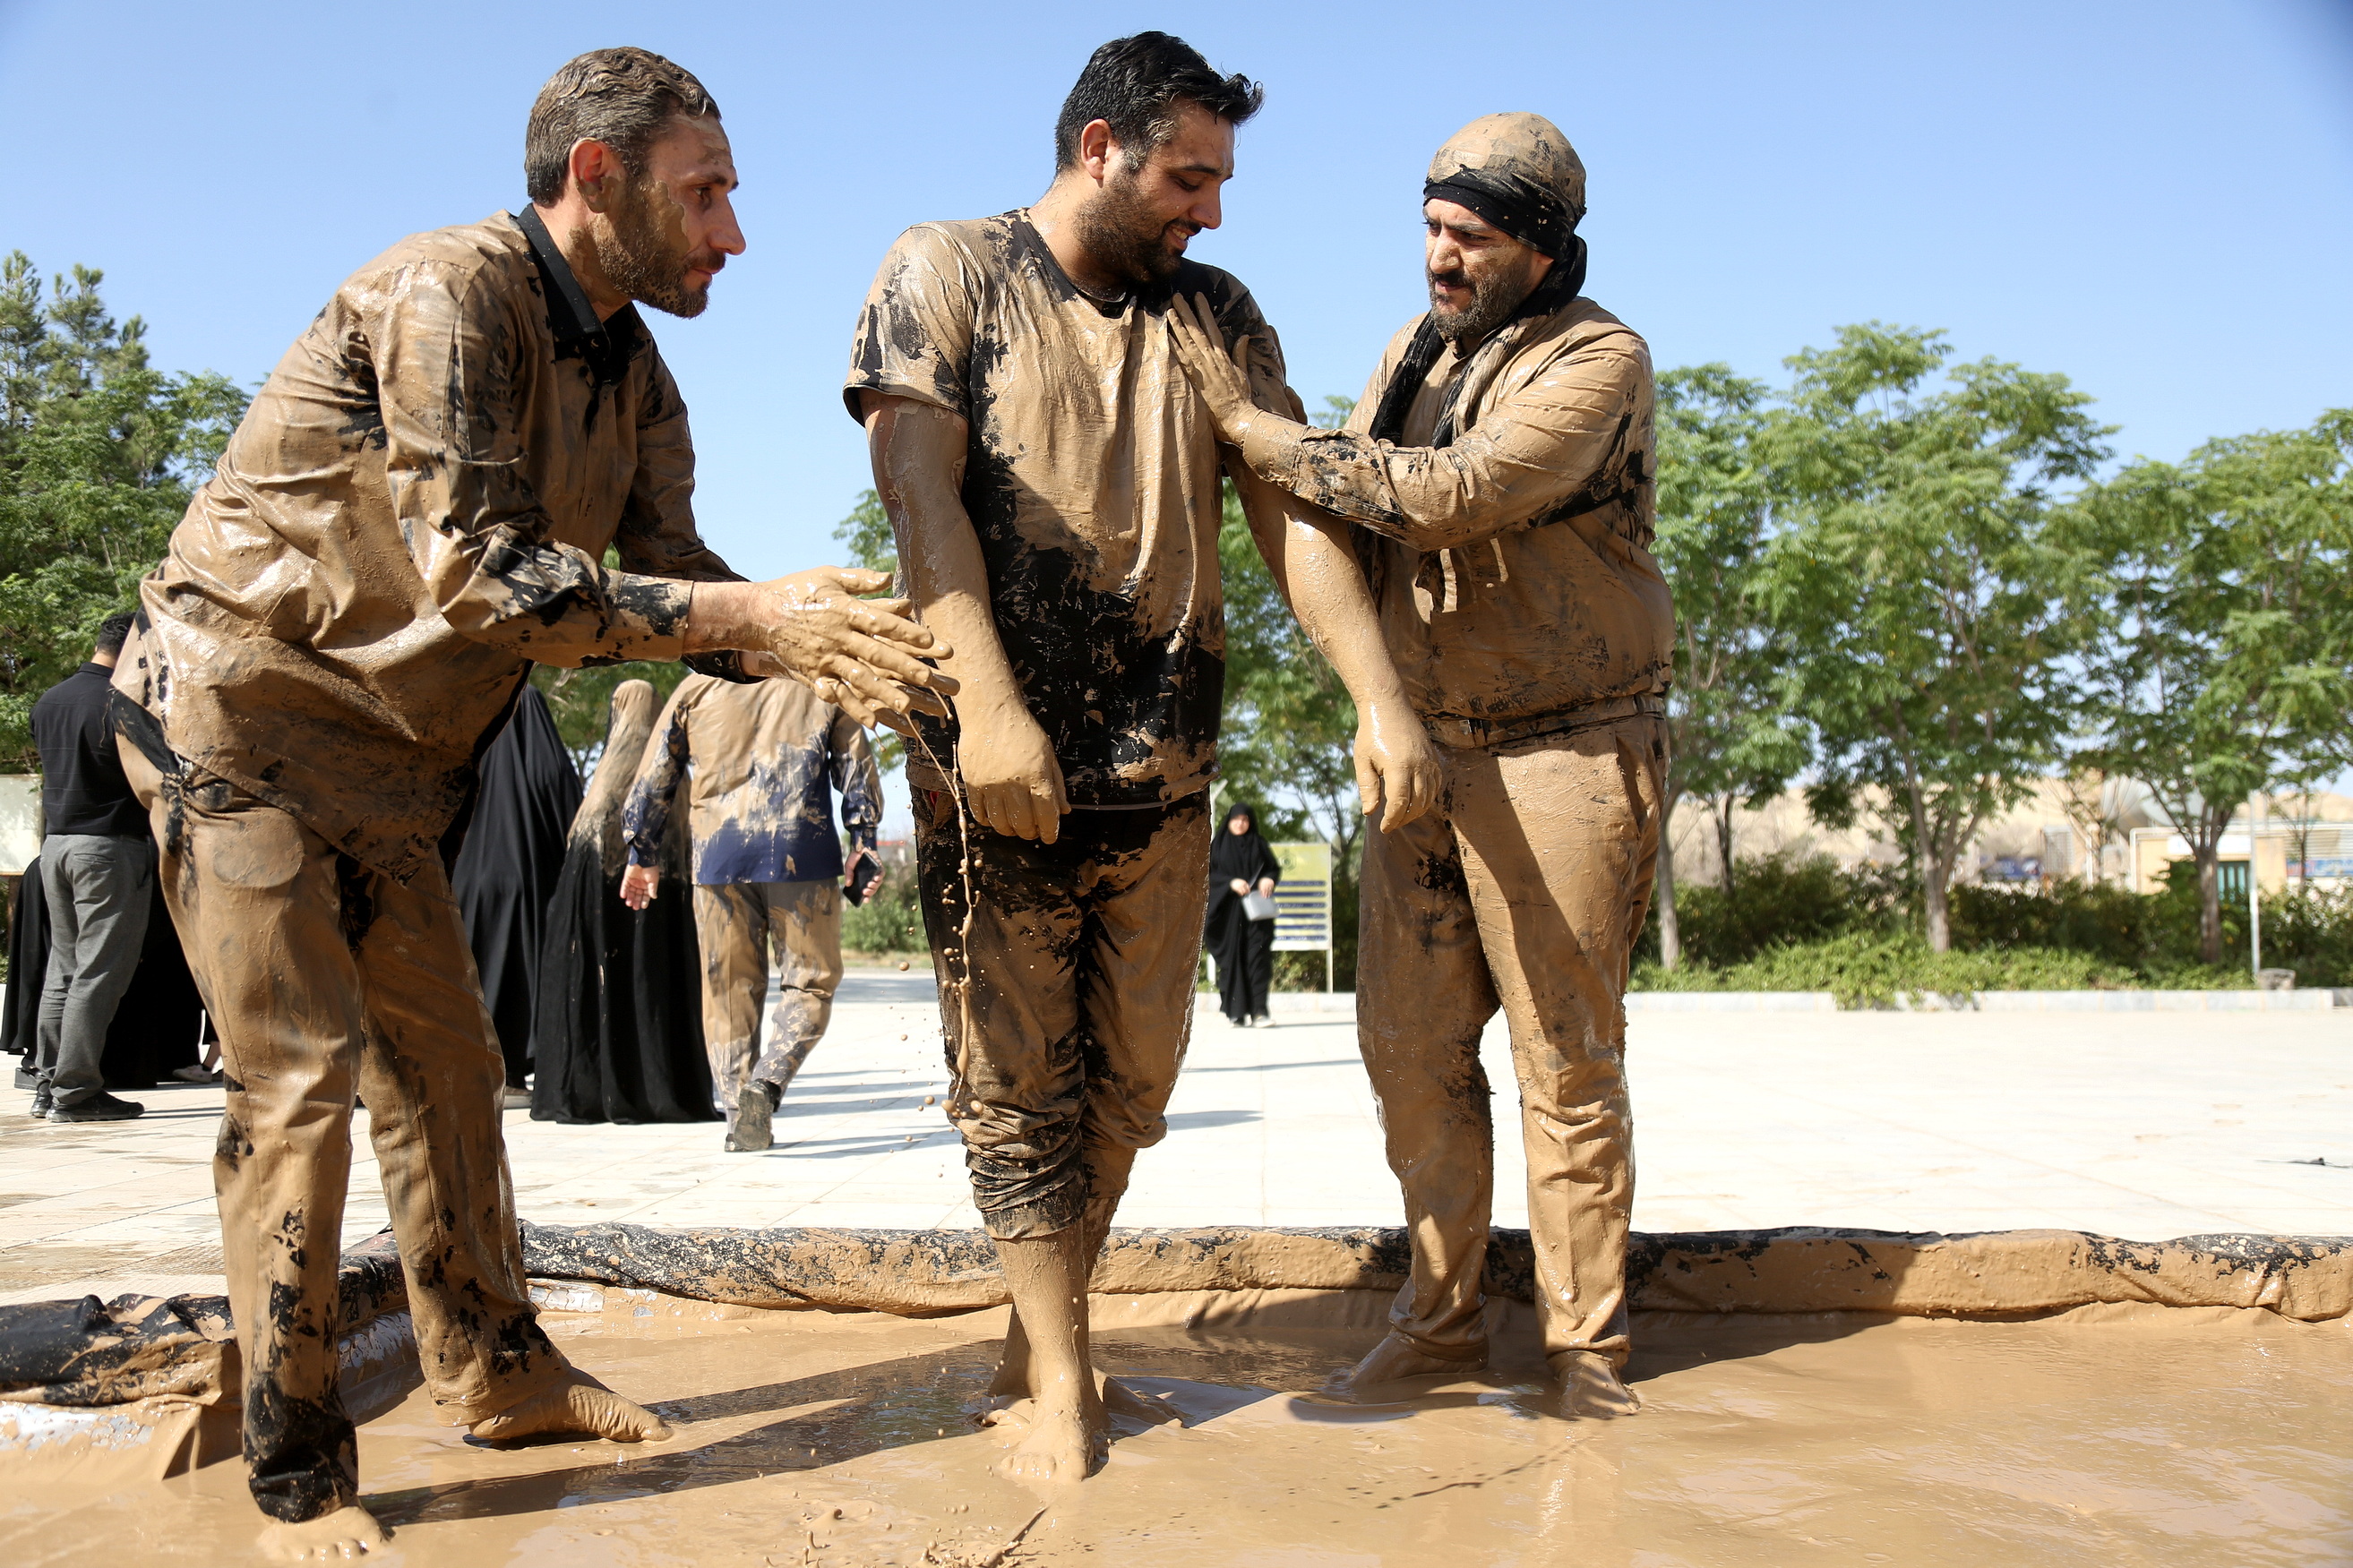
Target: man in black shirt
x,y
97,873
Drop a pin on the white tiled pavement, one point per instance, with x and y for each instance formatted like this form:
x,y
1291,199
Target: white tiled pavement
x,y
2141,1125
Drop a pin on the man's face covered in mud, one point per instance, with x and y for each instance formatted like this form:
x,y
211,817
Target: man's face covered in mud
x,y
1146,211
1478,274
668,232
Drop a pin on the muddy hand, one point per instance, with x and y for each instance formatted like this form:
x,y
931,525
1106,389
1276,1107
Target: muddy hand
x,y
1011,781
863,655
1223,382
1398,775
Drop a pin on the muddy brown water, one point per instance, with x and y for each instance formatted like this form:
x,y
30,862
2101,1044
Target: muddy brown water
x,y
2108,1434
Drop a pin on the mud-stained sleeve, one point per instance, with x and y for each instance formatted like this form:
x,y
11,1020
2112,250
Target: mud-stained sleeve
x,y
914,336
852,758
447,348
645,819
1547,443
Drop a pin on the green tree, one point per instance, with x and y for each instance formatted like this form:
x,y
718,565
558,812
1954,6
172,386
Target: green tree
x,y
2219,643
1731,744
1922,585
98,454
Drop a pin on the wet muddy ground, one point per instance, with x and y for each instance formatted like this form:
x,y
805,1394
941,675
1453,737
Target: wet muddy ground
x,y
2116,1436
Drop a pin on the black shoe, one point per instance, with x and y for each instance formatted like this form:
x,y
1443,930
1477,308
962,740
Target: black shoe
x,y
99,1107
755,1110
43,1101
28,1078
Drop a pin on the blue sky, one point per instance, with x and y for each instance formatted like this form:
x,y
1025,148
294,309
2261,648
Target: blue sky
x,y
2155,199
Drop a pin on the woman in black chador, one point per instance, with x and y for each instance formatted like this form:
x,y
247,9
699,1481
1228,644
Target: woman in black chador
x,y
1240,864
619,1030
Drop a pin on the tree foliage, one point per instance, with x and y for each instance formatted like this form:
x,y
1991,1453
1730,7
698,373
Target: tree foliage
x,y
1921,578
98,454
1731,743
2218,644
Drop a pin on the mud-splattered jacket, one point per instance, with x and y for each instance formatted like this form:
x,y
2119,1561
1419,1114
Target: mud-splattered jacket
x,y
764,760
1512,567
1091,480
415,510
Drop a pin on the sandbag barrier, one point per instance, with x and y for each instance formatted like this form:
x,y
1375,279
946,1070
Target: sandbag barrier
x,y
87,1354
913,1273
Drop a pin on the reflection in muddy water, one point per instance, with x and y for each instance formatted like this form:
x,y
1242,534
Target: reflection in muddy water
x,y
2110,1435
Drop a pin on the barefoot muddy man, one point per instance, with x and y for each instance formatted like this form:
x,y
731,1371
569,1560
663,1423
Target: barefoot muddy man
x,y
1500,469
412,513
1053,483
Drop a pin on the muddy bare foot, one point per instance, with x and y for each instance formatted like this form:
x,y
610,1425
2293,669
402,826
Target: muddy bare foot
x,y
345,1536
1397,1356
1585,1387
1052,1445
581,1407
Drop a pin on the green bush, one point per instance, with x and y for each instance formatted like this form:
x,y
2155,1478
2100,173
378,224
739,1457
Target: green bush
x,y
1808,925
889,921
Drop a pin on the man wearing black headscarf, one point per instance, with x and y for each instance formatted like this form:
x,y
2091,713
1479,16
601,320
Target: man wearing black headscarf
x,y
1242,863
1499,471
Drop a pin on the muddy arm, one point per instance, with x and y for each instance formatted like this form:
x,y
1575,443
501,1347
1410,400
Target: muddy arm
x,y
1546,444
1011,782
1309,554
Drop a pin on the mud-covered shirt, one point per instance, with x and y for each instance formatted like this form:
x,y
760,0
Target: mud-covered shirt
x,y
764,761
415,510
1512,567
1091,480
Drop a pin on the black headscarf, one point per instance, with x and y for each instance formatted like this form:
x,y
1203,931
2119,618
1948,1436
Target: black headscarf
x,y
1244,854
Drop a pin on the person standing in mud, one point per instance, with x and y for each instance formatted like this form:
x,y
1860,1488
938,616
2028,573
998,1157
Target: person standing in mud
x,y
1053,484
768,870
1500,470
414,510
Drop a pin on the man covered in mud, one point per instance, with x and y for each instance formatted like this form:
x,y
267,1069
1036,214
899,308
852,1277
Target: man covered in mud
x,y
415,510
1053,483
764,760
1500,471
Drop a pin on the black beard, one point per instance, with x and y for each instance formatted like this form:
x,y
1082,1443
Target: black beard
x,y
1492,301
1124,237
639,259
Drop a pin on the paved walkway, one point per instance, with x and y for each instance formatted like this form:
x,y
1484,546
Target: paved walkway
x,y
2140,1125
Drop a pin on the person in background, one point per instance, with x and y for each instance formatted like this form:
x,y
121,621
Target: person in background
x,y
98,871
1241,863
768,870
510,854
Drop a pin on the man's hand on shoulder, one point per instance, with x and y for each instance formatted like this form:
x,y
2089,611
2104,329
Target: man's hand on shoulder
x,y
863,655
1237,386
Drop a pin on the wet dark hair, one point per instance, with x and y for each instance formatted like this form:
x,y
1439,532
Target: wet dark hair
x,y
114,631
1134,84
623,97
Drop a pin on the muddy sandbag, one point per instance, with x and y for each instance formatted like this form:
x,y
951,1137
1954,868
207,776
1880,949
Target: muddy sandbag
x,y
86,1353
1793,1270
1809,1270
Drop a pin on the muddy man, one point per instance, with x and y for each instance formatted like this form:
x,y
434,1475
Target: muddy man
x,y
416,508
1499,473
1052,480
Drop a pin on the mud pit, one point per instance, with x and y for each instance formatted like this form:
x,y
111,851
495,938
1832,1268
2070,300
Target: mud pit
x,y
2124,1434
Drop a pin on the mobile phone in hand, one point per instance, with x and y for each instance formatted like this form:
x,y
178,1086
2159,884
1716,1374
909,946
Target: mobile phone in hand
x,y
865,871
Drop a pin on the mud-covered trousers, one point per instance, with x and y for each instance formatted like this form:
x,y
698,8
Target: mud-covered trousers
x,y
325,979
736,924
1526,889
1066,998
